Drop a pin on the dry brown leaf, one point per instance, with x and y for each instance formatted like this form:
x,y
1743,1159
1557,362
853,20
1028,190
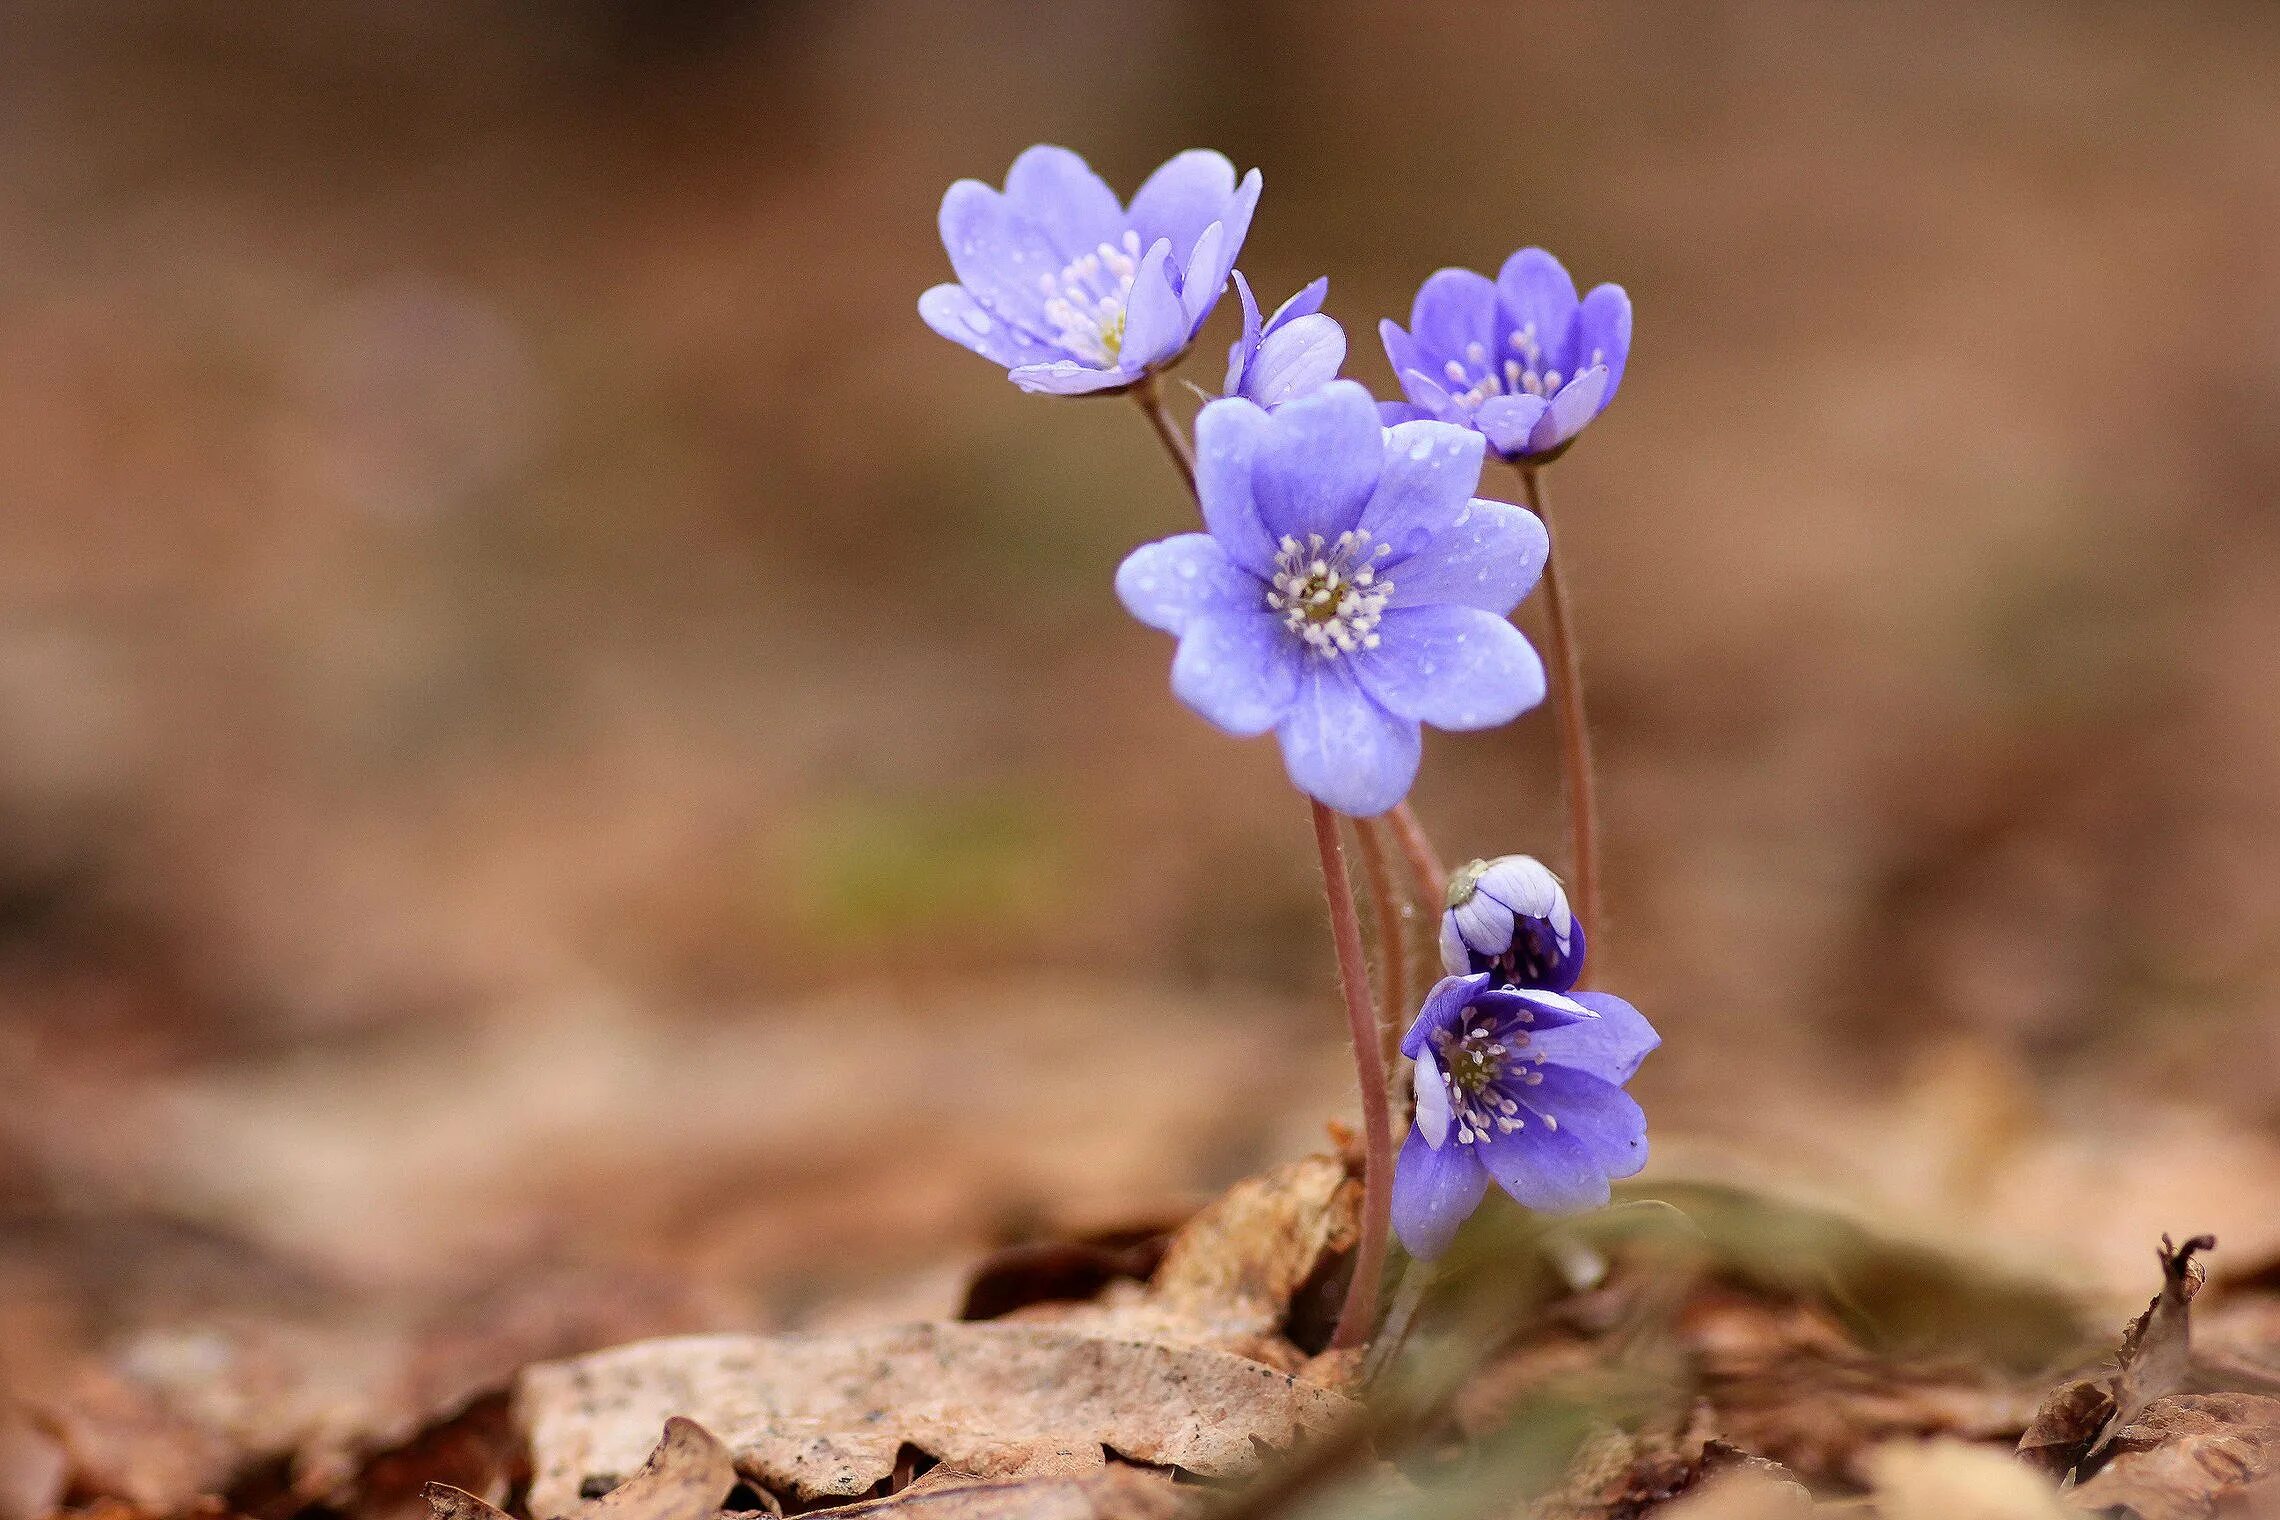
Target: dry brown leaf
x,y
686,1476
1956,1480
824,1416
1744,1494
1116,1492
33,1469
2192,1457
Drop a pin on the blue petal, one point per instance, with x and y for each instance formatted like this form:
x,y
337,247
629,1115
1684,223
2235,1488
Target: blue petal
x,y
1535,287
1058,191
1184,196
1610,1046
1394,413
1482,924
998,253
1434,1193
1428,477
1536,1007
1168,583
1430,1090
1510,421
1455,309
1198,291
1296,360
1603,327
1156,326
1443,1006
1608,1120
952,311
1244,348
1318,461
1240,670
1575,405
1066,377
1545,1169
1490,559
1401,351
1306,303
1451,666
1228,437
1341,748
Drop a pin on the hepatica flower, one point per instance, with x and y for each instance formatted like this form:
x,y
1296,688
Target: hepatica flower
x,y
1510,916
1349,588
1074,291
1519,357
1293,353
1523,1086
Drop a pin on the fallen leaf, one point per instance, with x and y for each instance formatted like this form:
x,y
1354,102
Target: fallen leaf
x,y
825,1416
33,1469
1116,1492
685,1477
2191,1457
1956,1480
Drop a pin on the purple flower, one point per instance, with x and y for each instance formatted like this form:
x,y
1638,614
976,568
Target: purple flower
x,y
1349,588
1071,290
1522,1085
1521,359
1509,916
1295,353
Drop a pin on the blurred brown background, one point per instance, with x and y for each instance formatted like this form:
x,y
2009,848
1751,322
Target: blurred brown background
x,y
544,718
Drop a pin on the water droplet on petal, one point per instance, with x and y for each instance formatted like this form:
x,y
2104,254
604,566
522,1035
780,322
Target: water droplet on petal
x,y
1187,570
1421,448
979,322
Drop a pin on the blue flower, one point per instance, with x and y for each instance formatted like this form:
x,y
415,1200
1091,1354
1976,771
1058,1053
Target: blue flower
x,y
1522,1085
1074,292
1519,358
1295,353
1510,916
1350,588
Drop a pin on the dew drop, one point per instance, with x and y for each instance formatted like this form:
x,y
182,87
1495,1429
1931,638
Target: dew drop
x,y
1187,570
978,322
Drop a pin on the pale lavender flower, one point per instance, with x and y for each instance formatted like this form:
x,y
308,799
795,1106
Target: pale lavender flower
x,y
1519,357
1072,290
1350,588
1293,353
1510,916
1523,1086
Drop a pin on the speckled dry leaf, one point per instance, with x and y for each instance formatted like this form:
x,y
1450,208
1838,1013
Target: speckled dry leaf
x,y
448,1503
823,1416
2070,1418
1955,1480
2192,1457
1111,1493
685,1477
2157,1350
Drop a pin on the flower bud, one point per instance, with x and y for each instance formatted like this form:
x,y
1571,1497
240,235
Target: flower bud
x,y
1510,916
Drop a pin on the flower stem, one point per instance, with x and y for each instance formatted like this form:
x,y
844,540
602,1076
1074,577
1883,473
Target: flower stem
x,y
1424,863
1574,728
1357,1317
1151,401
1392,917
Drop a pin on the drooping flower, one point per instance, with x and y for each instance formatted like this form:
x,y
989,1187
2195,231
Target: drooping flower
x,y
1294,353
1510,916
1522,1085
1072,290
1519,357
1350,588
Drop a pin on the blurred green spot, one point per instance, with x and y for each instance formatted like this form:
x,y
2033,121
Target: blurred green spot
x,y
873,871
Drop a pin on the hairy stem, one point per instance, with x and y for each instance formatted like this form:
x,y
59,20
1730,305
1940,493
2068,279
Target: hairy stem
x,y
1357,1317
1567,707
1424,863
1392,917
1150,398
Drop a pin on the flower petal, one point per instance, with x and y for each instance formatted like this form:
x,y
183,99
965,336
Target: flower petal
x,y
1490,559
1428,477
1169,583
1058,191
1434,1193
1401,351
1603,334
1443,1006
1535,287
1341,748
1305,303
1482,924
1510,421
1235,223
1610,1046
1543,1168
1066,377
1575,405
1431,1091
1394,413
1454,667
1187,194
1432,401
1156,326
1455,309
1228,437
1537,1007
1296,359
1318,461
1456,955
1198,291
1245,348
1240,670
998,253
1608,1120
952,311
